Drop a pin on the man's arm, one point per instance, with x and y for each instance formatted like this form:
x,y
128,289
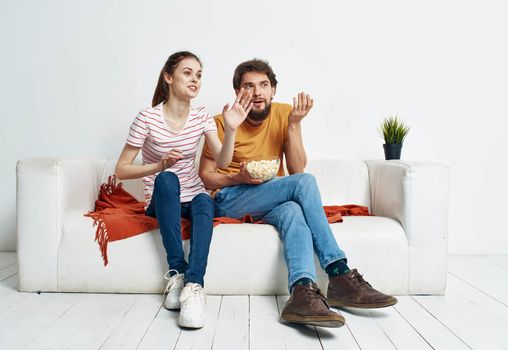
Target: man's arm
x,y
296,158
214,180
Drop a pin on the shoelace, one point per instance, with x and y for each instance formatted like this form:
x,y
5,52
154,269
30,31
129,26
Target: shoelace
x,y
190,292
171,280
357,279
315,293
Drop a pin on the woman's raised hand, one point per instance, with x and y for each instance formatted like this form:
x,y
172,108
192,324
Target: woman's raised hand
x,y
235,115
170,159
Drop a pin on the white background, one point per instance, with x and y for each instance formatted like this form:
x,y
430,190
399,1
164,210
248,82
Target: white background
x,y
73,75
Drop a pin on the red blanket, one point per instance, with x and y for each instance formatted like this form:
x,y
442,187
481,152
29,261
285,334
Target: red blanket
x,y
118,215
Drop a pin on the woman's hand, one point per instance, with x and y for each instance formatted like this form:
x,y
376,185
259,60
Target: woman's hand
x,y
236,115
170,159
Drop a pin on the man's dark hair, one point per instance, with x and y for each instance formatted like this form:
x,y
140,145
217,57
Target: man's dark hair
x,y
254,65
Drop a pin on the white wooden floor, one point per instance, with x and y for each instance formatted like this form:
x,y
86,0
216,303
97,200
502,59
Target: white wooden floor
x,y
472,315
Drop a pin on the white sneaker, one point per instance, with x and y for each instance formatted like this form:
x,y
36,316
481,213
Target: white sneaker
x,y
193,300
173,290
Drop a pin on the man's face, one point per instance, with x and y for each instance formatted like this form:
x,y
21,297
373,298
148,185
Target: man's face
x,y
262,94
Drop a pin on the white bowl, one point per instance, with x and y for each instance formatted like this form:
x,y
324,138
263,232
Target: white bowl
x,y
263,169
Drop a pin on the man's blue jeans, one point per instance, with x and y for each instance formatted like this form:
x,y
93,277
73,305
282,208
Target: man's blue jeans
x,y
293,205
166,207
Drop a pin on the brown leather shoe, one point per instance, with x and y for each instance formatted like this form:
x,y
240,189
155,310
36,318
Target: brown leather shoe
x,y
308,305
351,290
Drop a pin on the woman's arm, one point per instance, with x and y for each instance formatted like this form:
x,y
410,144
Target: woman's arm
x,y
126,170
232,119
222,153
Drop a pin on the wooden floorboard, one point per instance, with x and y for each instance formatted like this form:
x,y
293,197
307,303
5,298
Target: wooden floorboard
x,y
435,333
266,331
232,327
9,295
476,318
26,320
366,329
482,274
95,330
472,315
7,259
133,325
298,336
8,271
163,331
202,338
501,261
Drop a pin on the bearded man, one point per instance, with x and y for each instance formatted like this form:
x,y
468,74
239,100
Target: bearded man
x,y
290,203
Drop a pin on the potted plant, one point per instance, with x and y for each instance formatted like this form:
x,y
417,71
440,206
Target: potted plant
x,y
394,132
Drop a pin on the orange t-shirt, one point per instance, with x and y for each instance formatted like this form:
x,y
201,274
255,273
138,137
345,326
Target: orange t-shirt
x,y
257,142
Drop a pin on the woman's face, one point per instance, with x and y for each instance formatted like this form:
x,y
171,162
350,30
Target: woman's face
x,y
185,81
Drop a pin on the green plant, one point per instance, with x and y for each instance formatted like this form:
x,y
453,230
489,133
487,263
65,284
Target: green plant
x,y
393,130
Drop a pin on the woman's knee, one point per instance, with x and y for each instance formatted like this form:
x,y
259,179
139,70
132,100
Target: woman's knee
x,y
167,181
203,203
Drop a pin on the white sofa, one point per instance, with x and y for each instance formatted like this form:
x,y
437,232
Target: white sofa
x,y
401,250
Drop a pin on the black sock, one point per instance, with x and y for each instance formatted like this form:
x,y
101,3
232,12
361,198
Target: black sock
x,y
301,282
336,268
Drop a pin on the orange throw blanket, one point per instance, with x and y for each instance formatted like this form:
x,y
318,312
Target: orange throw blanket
x,y
118,215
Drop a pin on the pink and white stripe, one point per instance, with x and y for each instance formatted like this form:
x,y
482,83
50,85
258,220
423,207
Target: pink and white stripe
x,y
150,132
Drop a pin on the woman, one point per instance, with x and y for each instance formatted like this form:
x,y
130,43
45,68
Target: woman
x,y
168,135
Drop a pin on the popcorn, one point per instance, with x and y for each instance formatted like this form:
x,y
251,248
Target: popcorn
x,y
263,169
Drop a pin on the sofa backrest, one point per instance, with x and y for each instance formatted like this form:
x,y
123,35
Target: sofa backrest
x,y
134,187
340,181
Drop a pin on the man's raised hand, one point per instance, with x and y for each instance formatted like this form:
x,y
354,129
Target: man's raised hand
x,y
302,104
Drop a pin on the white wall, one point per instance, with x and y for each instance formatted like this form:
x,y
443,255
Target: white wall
x,y
75,73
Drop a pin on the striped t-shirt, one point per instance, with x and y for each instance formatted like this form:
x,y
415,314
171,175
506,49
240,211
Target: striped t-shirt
x,y
150,132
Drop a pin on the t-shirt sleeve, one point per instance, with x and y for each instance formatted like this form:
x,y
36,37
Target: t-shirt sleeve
x,y
219,128
138,131
209,123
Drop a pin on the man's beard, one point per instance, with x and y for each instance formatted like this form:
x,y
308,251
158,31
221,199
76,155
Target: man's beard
x,y
259,116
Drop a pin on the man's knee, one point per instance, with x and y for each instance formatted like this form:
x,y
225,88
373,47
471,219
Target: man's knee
x,y
305,178
289,210
285,216
304,181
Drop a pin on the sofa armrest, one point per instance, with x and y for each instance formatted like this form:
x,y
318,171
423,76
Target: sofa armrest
x,y
46,189
416,194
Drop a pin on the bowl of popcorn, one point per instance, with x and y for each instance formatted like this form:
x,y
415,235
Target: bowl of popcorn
x,y
263,169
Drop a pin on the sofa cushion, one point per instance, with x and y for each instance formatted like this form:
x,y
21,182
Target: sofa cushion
x,y
246,252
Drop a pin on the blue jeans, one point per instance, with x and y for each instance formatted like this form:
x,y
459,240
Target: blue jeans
x,y
166,207
293,205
